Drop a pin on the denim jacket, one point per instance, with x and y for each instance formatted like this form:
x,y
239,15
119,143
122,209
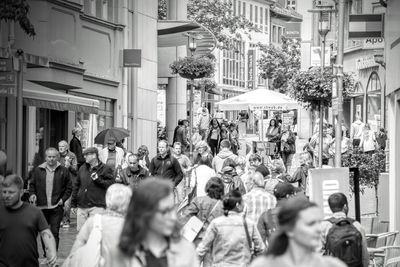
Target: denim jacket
x,y
226,237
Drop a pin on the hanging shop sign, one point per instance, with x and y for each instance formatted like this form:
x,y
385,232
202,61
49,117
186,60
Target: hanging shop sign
x,y
251,69
374,43
366,26
366,62
132,58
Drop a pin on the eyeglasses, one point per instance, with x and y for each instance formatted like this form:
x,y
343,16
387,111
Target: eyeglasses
x,y
166,211
133,163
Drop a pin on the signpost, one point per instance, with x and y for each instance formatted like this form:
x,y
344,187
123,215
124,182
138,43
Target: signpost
x,y
132,58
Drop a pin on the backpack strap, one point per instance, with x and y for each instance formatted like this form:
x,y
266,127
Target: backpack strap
x,y
337,221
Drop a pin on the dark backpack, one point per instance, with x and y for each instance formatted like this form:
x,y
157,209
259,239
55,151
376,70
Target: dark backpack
x,y
344,241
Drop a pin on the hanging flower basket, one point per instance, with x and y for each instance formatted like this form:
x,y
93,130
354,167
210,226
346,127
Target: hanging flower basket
x,y
196,67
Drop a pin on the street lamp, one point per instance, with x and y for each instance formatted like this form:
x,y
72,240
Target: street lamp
x,y
192,48
324,10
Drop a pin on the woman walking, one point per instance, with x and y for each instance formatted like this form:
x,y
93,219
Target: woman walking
x,y
367,143
288,146
232,239
150,235
298,237
214,136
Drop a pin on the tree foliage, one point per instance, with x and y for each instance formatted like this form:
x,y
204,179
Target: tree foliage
x,y
17,10
218,17
279,64
194,67
312,88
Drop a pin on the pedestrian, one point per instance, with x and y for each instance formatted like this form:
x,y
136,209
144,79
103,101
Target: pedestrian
x,y
20,224
381,138
75,145
301,174
214,136
288,146
196,137
368,142
268,221
277,176
225,153
89,190
203,123
180,123
273,134
326,144
182,136
232,239
166,166
112,155
143,153
356,131
117,198
150,235
50,188
298,237
200,175
203,152
233,131
339,231
231,180
68,160
225,133
258,199
186,166
134,173
206,207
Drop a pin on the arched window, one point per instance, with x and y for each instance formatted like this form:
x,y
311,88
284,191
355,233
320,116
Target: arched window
x,y
374,101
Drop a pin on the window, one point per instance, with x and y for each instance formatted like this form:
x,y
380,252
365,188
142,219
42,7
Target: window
x,y
102,9
273,34
279,35
261,19
291,4
374,102
244,9
251,12
256,16
234,7
239,8
266,21
234,66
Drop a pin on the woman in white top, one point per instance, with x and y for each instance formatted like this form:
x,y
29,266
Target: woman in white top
x,y
367,143
298,237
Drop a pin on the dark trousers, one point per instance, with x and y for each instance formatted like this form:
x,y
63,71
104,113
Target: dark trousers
x,y
54,218
356,142
213,143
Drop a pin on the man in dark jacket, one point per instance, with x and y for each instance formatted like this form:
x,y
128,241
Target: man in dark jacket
x,y
76,147
89,190
50,188
165,166
181,136
134,173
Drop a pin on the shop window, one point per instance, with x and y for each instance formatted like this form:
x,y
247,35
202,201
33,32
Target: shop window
x,y
374,101
3,123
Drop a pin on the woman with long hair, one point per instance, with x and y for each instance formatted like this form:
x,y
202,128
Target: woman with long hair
x,y
214,136
273,134
368,140
150,235
203,152
232,239
298,237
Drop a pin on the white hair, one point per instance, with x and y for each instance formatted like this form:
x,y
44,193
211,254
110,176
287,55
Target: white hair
x,y
118,197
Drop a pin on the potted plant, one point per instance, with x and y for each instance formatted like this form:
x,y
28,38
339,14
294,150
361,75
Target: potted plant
x,y
314,89
195,67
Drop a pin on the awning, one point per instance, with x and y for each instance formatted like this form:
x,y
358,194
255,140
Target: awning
x,y
175,33
43,97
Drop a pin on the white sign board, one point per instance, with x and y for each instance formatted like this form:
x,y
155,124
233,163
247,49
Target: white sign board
x,y
316,56
374,43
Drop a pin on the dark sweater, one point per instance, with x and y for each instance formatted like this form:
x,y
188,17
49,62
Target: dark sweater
x,y
62,186
167,168
89,193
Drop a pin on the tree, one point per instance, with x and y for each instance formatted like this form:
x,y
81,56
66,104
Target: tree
x,y
218,17
370,166
313,89
17,10
280,64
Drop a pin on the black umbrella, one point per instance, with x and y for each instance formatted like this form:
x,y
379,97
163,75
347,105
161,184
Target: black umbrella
x,y
116,132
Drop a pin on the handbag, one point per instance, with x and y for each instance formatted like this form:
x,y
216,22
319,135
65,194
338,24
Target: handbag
x,y
192,228
89,255
251,246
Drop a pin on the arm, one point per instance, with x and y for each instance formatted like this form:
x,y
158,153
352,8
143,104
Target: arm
x,y
208,239
67,185
262,226
152,167
83,235
75,189
50,246
106,178
178,171
259,246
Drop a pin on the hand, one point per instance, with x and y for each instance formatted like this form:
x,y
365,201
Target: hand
x,y
94,176
52,262
60,202
32,199
74,211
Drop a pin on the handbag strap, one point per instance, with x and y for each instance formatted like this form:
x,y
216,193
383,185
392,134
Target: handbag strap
x,y
247,233
212,210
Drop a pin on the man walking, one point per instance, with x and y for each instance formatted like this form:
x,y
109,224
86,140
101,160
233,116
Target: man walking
x,y
181,136
50,188
166,166
258,200
76,146
356,131
203,123
89,190
223,154
20,223
338,228
134,173
112,155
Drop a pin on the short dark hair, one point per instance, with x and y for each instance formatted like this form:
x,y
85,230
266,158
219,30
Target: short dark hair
x,y
225,143
177,144
337,201
231,200
13,179
215,188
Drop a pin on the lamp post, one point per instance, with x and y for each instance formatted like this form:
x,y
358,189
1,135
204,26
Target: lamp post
x,y
324,26
192,48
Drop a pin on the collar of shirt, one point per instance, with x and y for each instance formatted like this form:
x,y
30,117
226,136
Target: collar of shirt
x,y
339,214
46,167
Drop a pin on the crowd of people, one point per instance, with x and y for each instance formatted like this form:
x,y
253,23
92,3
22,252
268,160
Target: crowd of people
x,y
130,209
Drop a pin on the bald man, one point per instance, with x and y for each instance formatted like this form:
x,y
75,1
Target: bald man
x,y
258,200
